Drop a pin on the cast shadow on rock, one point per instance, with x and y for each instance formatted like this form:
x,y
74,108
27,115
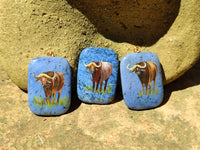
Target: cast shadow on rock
x,y
118,95
75,102
189,79
138,22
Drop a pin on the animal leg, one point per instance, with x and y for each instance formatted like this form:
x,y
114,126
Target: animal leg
x,y
143,88
149,88
106,81
154,85
97,86
54,97
101,85
46,100
49,100
43,101
58,97
146,89
93,86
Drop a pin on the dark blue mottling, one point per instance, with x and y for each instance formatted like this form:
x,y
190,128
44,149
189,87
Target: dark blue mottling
x,y
84,76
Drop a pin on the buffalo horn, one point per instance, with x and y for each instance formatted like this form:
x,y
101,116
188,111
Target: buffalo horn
x,y
42,75
142,66
131,69
92,63
34,75
128,67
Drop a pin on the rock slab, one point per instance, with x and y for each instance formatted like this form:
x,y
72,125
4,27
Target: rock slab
x,y
141,80
49,86
97,75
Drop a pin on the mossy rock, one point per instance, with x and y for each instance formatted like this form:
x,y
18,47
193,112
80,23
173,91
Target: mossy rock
x,y
29,29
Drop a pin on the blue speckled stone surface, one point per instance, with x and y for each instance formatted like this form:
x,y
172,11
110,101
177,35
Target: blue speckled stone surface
x,y
133,77
60,70
109,62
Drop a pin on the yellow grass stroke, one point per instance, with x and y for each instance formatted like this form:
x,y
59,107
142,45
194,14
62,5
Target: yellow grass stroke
x,y
41,101
107,91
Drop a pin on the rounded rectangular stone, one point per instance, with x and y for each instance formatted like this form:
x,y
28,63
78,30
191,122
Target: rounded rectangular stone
x,y
97,75
49,86
141,80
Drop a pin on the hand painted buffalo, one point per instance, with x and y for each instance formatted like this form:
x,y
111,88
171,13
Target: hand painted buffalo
x,y
100,71
147,72
51,82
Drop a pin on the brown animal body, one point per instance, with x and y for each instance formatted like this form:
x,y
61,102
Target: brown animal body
x,y
51,82
100,71
147,72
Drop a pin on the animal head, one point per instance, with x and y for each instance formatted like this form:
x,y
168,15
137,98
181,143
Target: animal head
x,y
45,79
138,68
93,66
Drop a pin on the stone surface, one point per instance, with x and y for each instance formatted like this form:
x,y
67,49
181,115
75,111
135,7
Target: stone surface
x,y
30,29
49,86
97,75
174,125
141,79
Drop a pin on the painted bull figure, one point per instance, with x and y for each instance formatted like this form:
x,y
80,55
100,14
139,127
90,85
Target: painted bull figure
x,y
51,82
147,72
100,71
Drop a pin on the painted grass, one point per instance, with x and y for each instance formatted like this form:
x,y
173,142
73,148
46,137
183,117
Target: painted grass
x,y
107,91
155,92
41,101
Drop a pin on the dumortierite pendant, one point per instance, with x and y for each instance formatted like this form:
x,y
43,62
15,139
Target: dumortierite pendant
x,y
141,80
97,75
49,86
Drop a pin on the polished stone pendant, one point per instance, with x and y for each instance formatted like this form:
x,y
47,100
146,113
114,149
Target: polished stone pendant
x,y
49,86
141,80
97,75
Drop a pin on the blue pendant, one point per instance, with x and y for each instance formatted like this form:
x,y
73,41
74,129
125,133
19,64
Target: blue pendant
x,y
141,80
97,75
49,86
